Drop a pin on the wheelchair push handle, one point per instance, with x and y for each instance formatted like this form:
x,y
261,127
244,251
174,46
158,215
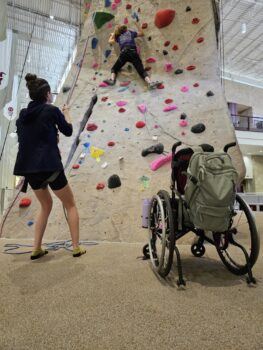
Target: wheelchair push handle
x,y
177,144
229,145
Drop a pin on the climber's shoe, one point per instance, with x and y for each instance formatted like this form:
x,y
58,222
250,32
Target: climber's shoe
x,y
153,85
38,253
78,251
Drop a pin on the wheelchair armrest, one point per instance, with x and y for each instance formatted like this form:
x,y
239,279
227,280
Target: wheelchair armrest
x,y
177,144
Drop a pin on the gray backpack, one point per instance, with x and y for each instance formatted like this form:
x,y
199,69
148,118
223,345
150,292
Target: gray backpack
x,y
210,190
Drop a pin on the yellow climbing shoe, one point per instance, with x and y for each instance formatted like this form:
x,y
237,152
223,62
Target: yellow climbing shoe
x,y
78,251
38,253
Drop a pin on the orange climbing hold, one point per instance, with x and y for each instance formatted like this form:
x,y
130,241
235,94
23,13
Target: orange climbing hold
x,y
164,17
25,202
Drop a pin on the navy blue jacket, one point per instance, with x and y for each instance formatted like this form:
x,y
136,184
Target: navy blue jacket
x,y
37,128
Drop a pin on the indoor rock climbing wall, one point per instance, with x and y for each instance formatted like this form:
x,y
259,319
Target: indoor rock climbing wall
x,y
180,49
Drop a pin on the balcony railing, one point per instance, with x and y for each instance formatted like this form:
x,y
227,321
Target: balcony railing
x,y
246,123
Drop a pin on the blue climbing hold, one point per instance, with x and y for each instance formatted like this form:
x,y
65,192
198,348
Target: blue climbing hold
x,y
123,89
135,16
126,129
30,223
107,3
107,53
94,43
86,145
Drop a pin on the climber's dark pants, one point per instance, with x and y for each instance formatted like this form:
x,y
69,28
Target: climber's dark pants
x,y
129,55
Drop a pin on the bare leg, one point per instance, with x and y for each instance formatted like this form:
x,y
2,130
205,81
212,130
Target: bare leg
x,y
45,200
67,198
148,80
113,76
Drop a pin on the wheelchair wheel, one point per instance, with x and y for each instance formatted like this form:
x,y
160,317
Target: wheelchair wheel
x,y
243,232
161,233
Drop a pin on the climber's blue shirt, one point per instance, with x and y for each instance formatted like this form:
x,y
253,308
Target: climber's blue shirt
x,y
127,39
37,128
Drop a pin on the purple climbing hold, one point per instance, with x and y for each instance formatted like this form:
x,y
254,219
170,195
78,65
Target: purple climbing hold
x,y
107,3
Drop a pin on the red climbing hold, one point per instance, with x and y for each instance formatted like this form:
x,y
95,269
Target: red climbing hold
x,y
25,202
111,143
140,124
92,127
168,101
144,25
164,17
195,20
128,6
75,166
167,43
191,67
125,83
200,40
122,110
195,85
151,60
100,186
104,99
175,47
161,86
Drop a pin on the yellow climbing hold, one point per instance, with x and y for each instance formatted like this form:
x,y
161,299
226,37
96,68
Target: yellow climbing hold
x,y
96,153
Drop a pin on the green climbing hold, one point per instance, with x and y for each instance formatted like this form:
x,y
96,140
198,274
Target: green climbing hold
x,y
100,18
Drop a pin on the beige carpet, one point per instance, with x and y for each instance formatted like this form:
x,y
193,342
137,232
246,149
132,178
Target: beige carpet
x,y
109,299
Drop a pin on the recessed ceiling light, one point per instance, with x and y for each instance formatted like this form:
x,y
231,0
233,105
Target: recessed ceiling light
x,y
261,151
243,28
51,17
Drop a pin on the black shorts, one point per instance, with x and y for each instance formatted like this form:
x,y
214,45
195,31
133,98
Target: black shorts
x,y
37,181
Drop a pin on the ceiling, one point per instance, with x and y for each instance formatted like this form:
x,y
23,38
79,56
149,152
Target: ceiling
x,y
243,52
47,33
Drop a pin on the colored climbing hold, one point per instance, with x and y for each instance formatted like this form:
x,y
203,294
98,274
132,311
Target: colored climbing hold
x,y
109,25
142,108
183,116
200,40
140,124
94,43
100,18
144,25
168,101
149,38
121,103
164,17
198,128
30,223
135,16
92,127
196,85
210,94
126,129
117,1
188,9
178,71
175,47
96,153
104,99
183,123
107,53
183,133
25,202
66,89
165,52
151,60
125,83
124,88
195,20
167,43
100,186
75,166
95,65
103,84
170,108
160,86
86,145
125,21
128,6
184,88
191,67
111,143
147,68
107,3
122,110
113,6
114,181
168,67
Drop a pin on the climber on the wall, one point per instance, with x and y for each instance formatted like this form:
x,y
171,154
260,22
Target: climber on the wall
x,y
128,53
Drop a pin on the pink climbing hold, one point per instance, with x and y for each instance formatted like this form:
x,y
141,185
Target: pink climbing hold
x,y
196,85
142,108
140,124
95,65
184,88
113,6
164,17
170,108
122,110
183,123
125,20
121,103
103,84
92,127
117,1
160,161
109,25
168,101
125,83
168,67
151,60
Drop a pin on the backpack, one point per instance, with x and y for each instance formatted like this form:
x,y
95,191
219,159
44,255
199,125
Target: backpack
x,y
210,190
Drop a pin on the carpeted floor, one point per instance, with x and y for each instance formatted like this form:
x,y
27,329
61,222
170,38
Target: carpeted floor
x,y
110,299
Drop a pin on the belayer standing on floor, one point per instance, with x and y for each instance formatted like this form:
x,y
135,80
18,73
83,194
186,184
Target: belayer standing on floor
x,y
39,160
128,53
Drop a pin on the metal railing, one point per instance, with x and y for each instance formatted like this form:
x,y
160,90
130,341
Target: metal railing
x,y
246,123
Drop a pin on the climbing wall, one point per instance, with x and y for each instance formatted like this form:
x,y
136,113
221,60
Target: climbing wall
x,y
180,49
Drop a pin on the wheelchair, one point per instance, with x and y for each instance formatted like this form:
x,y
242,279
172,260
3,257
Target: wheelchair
x,y
168,221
